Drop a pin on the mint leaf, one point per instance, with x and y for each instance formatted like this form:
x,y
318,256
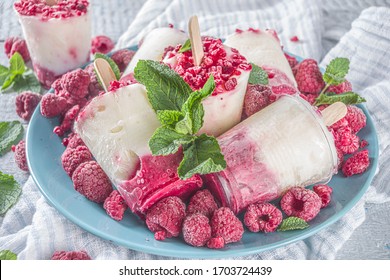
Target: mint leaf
x,y
346,97
8,82
4,73
258,76
112,63
336,71
165,141
9,192
6,255
203,156
169,117
185,126
27,81
293,223
10,134
16,64
166,89
186,46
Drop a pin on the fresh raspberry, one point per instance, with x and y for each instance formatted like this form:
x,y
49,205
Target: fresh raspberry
x,y
311,98
256,98
309,77
67,121
202,202
302,203
345,140
226,225
20,155
216,243
76,83
90,180
263,217
101,44
356,118
341,88
74,141
356,164
291,60
70,255
26,102
363,143
94,87
73,157
115,205
53,105
196,230
325,193
57,86
165,218
15,44
122,58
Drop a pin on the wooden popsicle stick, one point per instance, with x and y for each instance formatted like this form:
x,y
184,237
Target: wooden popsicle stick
x,y
196,40
334,113
51,2
104,72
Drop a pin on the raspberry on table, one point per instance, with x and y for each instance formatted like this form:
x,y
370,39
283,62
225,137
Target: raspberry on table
x,y
15,44
256,98
76,83
226,225
196,230
53,105
263,217
101,44
202,202
356,164
341,88
309,77
302,203
122,58
90,180
115,205
20,155
216,243
165,218
26,102
73,157
325,193
70,255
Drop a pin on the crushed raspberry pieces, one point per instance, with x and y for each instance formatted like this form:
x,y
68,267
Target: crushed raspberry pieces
x,y
115,205
202,202
101,44
70,255
356,164
165,218
15,44
226,225
90,180
325,193
20,155
73,157
216,243
53,105
67,121
302,203
122,58
291,60
341,88
263,217
196,230
76,83
309,77
294,39
26,102
256,98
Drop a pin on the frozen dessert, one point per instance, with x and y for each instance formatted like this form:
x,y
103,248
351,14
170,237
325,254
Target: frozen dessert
x,y
266,155
116,127
154,45
58,37
230,71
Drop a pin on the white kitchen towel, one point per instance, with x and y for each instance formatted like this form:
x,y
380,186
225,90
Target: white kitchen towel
x,y
34,230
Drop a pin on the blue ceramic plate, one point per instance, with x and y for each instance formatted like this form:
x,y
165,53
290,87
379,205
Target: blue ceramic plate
x,y
44,150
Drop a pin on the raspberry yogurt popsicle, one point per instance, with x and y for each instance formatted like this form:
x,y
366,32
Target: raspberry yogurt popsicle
x,y
58,36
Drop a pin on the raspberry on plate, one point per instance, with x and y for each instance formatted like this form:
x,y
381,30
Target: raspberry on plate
x,y
324,192
15,44
94,87
226,225
216,243
165,218
70,255
67,121
302,203
341,88
202,202
263,217
76,83
309,77
73,157
356,164
101,44
115,205
74,141
196,230
53,105
90,180
356,118
20,155
122,58
26,102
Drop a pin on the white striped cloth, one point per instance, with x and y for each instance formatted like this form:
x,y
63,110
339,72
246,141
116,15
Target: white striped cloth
x,y
361,29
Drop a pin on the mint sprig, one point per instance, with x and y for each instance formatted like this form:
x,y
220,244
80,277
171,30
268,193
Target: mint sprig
x,y
336,71
292,223
181,113
9,192
258,76
186,46
10,134
7,255
346,97
18,77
